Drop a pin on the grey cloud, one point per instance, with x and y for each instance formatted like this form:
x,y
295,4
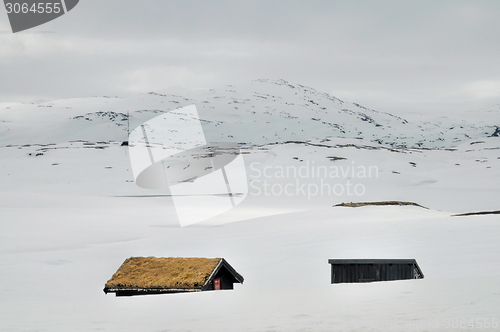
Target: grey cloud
x,y
389,55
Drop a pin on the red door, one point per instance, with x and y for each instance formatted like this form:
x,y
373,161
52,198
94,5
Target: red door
x,y
217,284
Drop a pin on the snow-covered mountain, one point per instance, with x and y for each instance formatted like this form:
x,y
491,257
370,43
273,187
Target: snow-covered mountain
x,y
261,112
71,213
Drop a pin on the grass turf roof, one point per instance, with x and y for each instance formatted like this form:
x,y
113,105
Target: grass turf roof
x,y
163,272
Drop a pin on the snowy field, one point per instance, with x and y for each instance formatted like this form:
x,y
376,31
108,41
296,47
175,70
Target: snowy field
x,y
70,216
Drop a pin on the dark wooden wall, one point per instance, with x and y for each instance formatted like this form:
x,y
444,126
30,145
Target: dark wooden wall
x,y
226,280
345,273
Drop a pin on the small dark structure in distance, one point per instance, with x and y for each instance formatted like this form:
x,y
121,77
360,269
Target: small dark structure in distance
x,y
369,270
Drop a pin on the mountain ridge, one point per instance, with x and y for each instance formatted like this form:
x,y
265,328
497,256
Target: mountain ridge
x,y
260,112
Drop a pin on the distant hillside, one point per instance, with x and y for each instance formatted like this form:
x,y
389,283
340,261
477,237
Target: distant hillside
x,y
261,112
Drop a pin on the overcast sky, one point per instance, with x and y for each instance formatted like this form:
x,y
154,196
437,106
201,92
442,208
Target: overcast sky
x,y
393,56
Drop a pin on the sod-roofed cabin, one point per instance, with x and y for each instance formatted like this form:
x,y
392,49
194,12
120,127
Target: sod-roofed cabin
x,y
152,275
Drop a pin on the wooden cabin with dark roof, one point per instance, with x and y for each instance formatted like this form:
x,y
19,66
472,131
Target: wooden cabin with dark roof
x,y
369,270
152,275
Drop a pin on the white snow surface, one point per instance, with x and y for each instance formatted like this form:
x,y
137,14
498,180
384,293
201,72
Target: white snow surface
x,y
70,214
260,112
